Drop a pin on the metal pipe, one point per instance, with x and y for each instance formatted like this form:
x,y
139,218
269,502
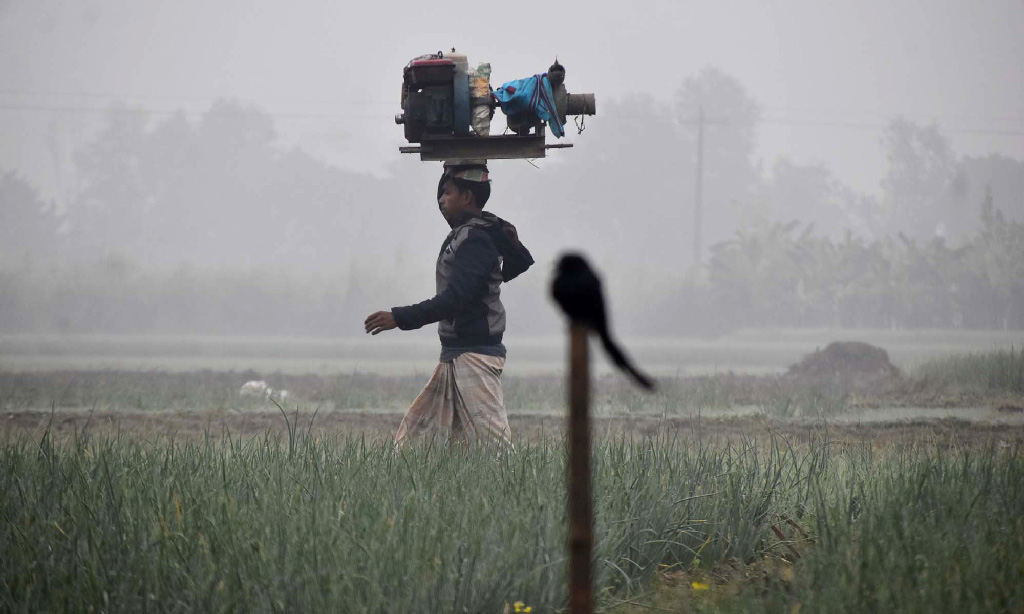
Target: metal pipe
x,y
581,104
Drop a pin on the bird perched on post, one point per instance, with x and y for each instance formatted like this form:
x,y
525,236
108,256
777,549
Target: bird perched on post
x,y
577,290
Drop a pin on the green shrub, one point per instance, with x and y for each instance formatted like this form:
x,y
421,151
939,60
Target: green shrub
x,y
995,371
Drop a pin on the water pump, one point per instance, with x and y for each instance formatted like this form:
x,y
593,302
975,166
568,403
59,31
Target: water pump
x,y
447,109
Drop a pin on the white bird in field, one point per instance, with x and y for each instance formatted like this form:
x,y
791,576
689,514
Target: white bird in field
x,y
259,388
255,388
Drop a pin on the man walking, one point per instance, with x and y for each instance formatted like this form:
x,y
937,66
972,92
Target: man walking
x,y
463,399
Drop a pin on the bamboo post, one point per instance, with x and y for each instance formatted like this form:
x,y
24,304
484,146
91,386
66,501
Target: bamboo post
x,y
580,503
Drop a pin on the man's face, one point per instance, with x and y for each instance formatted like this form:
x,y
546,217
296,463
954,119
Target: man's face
x,y
456,206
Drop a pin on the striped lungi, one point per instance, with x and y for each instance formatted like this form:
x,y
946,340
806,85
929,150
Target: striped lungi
x,y
463,401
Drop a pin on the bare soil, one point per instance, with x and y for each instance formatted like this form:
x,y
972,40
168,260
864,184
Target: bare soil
x,y
529,427
846,358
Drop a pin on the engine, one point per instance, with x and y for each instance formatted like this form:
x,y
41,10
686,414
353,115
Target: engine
x,y
447,108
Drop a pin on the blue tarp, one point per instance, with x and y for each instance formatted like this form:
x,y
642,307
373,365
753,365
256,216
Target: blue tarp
x,y
532,95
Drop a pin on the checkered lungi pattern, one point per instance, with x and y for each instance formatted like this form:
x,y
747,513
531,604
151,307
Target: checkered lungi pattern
x,y
463,401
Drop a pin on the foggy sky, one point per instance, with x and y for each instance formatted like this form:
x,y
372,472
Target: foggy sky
x,y
826,80
827,77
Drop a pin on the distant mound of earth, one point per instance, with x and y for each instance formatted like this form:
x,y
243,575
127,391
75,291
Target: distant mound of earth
x,y
846,359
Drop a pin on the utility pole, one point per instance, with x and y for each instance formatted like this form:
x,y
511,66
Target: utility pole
x,y
698,189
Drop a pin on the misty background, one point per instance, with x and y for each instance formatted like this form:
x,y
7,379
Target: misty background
x,y
233,168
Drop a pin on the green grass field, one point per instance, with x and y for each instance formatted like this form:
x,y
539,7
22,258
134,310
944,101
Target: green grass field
x,y
312,524
794,508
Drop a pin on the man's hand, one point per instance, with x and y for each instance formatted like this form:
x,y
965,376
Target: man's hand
x,y
379,322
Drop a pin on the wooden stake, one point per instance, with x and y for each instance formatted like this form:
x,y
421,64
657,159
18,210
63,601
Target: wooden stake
x,y
581,536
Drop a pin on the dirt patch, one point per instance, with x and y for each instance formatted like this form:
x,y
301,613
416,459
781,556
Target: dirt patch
x,y
844,359
852,367
526,427
709,590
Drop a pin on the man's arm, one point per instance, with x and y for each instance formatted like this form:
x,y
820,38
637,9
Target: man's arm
x,y
471,272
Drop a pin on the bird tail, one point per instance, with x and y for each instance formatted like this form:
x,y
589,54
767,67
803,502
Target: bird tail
x,y
620,360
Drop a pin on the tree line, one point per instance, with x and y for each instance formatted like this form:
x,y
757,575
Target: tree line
x,y
212,225
779,276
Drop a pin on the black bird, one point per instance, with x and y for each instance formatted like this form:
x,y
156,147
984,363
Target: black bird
x,y
577,290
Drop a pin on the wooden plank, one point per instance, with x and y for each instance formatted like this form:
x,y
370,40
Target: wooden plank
x,y
501,147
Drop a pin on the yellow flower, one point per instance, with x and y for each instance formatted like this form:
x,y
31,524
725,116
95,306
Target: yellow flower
x,y
699,586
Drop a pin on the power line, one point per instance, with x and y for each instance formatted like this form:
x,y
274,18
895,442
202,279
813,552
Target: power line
x,y
207,99
165,112
880,126
874,126
880,113
389,103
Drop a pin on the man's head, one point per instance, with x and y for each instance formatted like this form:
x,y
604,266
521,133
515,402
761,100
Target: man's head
x,y
462,193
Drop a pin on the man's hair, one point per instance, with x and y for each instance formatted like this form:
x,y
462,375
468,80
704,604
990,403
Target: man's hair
x,y
481,190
